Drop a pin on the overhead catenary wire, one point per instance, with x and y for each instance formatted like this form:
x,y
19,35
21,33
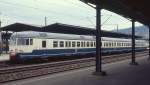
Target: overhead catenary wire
x,y
106,20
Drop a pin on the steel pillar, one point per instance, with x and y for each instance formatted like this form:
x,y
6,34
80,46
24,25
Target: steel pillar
x,y
149,43
1,38
133,61
98,43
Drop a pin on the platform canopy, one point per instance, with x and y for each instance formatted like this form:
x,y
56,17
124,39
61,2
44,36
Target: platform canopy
x,y
71,29
17,27
133,9
63,28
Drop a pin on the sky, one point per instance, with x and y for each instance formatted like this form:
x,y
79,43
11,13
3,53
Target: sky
x,y
72,12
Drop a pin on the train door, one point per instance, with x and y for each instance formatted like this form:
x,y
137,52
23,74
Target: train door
x,y
44,44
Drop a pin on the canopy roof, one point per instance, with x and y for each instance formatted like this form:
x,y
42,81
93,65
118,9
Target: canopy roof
x,y
63,28
133,9
70,29
17,27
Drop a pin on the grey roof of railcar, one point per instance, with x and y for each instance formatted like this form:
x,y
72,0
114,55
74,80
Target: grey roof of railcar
x,y
47,35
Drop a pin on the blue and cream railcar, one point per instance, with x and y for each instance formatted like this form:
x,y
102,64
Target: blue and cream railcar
x,y
31,45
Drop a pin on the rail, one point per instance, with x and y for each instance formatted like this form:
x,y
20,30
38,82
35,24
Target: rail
x,y
22,72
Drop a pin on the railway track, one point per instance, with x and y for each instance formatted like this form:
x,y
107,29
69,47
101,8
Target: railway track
x,y
22,72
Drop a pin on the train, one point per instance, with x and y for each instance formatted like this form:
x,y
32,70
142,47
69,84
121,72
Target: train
x,y
30,45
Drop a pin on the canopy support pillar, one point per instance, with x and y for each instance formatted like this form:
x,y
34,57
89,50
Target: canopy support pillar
x,y
98,43
149,42
133,61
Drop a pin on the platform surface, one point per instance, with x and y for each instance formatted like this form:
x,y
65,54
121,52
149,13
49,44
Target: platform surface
x,y
4,57
119,73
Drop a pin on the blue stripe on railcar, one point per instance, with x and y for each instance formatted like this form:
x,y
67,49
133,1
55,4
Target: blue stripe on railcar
x,y
44,53
52,51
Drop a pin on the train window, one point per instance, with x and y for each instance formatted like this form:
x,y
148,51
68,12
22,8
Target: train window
x,y
73,44
55,44
91,44
61,44
125,44
67,44
128,44
78,44
43,44
104,44
88,44
22,41
119,44
109,44
31,41
94,44
82,44
27,41
114,44
122,44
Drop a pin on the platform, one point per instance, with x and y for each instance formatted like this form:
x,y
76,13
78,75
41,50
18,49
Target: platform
x,y
4,57
119,73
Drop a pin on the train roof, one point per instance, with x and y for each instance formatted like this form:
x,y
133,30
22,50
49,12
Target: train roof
x,y
47,35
